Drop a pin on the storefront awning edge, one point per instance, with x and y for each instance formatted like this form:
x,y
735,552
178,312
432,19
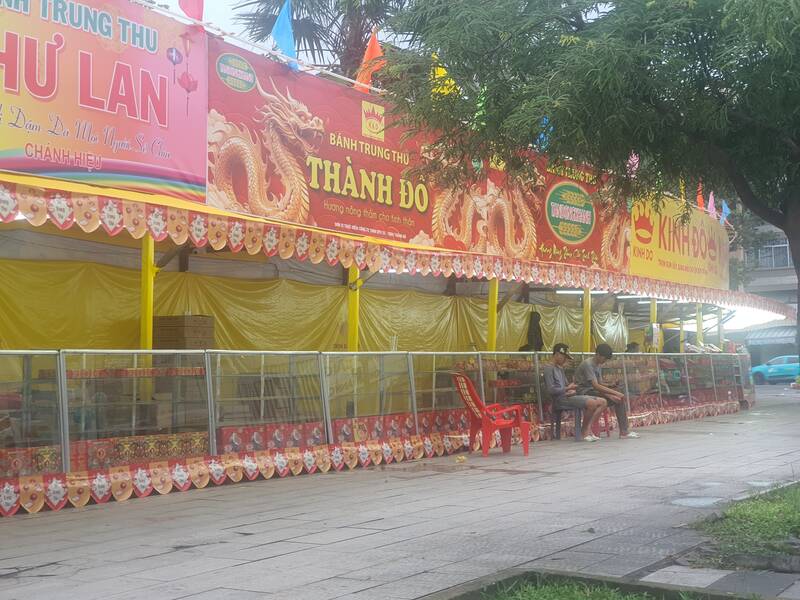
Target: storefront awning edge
x,y
66,204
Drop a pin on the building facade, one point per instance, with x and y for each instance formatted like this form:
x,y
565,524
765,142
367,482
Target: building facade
x,y
772,274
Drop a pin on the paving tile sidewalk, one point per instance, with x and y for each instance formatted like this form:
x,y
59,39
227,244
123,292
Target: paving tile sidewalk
x,y
616,508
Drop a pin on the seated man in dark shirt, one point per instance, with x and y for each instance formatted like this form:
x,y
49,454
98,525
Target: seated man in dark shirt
x,y
589,378
563,394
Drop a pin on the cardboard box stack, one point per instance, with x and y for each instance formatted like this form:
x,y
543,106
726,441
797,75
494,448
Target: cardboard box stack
x,y
186,332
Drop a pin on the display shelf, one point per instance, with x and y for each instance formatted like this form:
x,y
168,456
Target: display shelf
x,y
127,373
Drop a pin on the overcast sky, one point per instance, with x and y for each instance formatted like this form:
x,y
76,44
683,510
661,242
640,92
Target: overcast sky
x,y
219,12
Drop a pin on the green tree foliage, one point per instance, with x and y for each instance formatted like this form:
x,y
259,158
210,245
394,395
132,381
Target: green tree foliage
x,y
329,32
698,89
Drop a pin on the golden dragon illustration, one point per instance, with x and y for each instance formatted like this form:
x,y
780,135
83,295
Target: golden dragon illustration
x,y
239,176
496,222
615,246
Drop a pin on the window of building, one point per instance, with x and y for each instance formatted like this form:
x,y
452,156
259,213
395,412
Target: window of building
x,y
773,255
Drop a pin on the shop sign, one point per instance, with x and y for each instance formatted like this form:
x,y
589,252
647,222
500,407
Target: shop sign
x,y
102,92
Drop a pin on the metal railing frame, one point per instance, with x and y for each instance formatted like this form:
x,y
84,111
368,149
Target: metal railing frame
x,y
211,393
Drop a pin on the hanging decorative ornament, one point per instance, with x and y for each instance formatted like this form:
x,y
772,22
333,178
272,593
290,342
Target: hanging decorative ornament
x,y
189,84
175,57
186,36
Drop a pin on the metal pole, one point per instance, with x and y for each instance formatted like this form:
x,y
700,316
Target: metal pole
x,y
625,383
261,390
83,395
63,403
147,282
325,398
538,386
587,320
381,385
688,383
413,391
713,378
491,334
353,300
135,395
218,382
741,383
433,377
292,388
27,399
212,411
658,383
177,391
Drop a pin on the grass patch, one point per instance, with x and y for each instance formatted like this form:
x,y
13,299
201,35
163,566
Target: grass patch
x,y
766,525
564,590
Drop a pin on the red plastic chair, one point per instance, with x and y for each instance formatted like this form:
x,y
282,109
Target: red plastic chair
x,y
488,419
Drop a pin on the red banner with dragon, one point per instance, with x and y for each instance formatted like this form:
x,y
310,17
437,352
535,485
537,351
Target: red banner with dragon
x,y
301,149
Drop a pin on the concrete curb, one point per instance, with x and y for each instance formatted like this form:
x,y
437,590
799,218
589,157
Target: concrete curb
x,y
479,588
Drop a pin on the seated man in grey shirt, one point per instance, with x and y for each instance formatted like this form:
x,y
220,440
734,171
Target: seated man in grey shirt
x,y
589,378
563,394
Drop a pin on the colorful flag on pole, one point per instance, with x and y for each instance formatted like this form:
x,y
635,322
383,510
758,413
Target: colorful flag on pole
x,y
372,62
283,35
725,212
712,209
632,165
701,203
192,8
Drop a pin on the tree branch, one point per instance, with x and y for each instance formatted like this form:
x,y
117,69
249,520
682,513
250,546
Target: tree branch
x,y
743,188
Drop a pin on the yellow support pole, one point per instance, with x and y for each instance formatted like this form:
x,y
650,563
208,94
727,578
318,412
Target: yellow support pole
x,y
699,323
682,338
587,320
353,299
148,278
491,334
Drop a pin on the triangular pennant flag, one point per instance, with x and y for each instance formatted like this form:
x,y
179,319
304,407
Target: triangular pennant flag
x,y
543,139
443,85
712,209
726,211
192,8
371,63
283,36
632,165
701,203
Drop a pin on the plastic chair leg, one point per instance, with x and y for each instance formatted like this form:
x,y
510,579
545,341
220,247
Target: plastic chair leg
x,y
525,432
473,432
505,439
487,434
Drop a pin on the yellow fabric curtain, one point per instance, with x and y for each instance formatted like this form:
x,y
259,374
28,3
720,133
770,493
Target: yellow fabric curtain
x,y
561,325
275,314
473,316
419,321
63,304
512,326
610,328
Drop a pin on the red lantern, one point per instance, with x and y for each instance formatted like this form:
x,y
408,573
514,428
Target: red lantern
x,y
189,84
